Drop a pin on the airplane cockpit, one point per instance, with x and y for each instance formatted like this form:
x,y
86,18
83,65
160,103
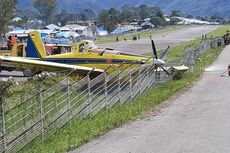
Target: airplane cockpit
x,y
53,49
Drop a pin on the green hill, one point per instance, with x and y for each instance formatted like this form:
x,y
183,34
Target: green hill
x,y
194,7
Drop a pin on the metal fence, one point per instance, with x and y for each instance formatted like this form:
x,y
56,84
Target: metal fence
x,y
40,113
191,54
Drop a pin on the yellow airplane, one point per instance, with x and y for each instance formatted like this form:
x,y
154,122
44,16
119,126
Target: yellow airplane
x,y
82,58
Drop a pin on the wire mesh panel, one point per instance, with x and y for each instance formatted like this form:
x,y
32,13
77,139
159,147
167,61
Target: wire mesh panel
x,y
96,94
23,123
54,104
113,88
79,95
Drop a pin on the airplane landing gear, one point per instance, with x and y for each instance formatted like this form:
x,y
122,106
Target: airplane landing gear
x,y
28,73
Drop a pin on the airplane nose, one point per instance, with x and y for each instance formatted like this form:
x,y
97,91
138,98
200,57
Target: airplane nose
x,y
159,62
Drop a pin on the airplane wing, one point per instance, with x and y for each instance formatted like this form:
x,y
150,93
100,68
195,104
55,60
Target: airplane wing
x,y
39,65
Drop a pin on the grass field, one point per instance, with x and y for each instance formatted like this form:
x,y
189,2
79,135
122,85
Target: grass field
x,y
79,132
220,31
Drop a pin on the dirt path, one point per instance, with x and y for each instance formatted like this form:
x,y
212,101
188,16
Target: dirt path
x,y
198,121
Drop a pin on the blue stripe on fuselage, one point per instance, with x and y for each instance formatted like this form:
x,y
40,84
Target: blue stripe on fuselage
x,y
85,61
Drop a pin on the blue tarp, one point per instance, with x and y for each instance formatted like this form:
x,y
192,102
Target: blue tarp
x,y
43,35
101,28
120,30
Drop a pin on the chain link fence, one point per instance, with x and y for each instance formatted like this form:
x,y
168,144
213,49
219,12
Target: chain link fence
x,y
41,112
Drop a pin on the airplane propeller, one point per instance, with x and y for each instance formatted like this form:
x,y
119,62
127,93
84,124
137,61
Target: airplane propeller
x,y
154,49
158,62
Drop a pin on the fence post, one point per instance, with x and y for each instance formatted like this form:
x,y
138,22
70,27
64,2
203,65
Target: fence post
x,y
192,58
68,94
119,84
130,84
39,100
89,96
89,91
148,69
106,91
2,125
106,86
139,79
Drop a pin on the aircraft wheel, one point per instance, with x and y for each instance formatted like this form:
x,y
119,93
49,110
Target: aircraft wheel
x,y
28,73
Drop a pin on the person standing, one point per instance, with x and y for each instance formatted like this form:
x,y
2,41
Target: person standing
x,y
9,42
117,39
14,40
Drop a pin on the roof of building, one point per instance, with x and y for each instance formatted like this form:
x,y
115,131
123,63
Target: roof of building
x,y
52,27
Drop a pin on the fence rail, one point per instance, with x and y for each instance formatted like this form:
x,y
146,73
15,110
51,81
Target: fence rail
x,y
44,112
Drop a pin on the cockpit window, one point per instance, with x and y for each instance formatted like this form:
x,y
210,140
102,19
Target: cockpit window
x,y
81,48
92,45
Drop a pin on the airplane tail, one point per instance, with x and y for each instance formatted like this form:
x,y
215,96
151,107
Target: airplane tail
x,y
35,47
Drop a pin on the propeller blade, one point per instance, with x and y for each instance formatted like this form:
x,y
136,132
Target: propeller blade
x,y
154,49
163,54
165,71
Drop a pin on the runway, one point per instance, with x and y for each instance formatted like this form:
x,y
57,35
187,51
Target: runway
x,y
162,40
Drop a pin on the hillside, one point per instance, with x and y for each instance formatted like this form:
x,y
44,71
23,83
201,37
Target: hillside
x,y
194,7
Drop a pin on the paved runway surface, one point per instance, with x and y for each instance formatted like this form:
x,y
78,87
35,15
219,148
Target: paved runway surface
x,y
197,121
162,40
142,46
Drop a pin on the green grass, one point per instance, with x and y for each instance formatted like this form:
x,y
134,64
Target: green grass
x,y
142,34
219,32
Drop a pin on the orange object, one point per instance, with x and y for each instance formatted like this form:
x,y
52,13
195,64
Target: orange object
x,y
14,40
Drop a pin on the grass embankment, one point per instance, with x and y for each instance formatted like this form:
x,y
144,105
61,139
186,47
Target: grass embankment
x,y
142,34
79,132
219,32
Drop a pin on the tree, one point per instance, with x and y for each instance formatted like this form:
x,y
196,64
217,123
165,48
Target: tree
x,y
216,18
129,14
7,13
87,14
145,11
176,13
26,15
63,17
160,14
189,16
201,18
109,18
157,21
47,9
103,18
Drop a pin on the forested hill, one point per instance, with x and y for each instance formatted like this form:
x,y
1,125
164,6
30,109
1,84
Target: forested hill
x,y
194,7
